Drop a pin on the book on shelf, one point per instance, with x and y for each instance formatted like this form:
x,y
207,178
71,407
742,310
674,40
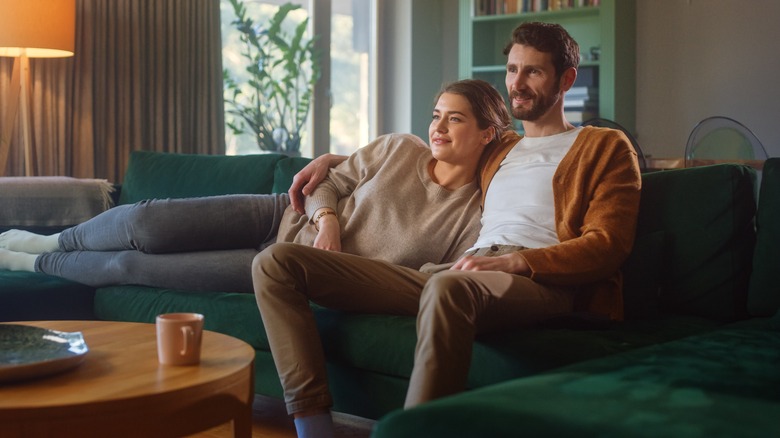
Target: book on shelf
x,y
582,93
581,97
502,7
580,104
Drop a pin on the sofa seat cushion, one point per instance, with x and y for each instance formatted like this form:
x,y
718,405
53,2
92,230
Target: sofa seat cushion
x,y
385,344
722,383
233,314
29,296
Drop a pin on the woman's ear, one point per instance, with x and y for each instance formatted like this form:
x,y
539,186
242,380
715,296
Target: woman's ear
x,y
488,135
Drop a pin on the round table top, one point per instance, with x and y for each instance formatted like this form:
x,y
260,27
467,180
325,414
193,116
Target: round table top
x,y
121,371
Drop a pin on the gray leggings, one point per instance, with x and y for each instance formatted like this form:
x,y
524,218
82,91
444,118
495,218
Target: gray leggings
x,y
194,243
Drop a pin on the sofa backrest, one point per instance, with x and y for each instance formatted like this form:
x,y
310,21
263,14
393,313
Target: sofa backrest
x,y
764,294
694,246
166,175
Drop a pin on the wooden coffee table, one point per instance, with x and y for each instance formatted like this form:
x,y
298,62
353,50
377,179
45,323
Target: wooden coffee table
x,y
121,390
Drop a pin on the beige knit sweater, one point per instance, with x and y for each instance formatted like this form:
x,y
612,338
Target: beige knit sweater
x,y
390,209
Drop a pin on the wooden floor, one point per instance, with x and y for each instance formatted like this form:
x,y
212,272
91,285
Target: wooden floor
x,y
270,420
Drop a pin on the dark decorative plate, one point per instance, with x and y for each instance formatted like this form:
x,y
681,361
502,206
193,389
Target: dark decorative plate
x,y
27,351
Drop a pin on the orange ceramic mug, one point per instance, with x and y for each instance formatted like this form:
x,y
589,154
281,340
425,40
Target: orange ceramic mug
x,y
179,338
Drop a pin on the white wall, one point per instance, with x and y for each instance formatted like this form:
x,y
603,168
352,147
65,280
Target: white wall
x,y
419,52
699,58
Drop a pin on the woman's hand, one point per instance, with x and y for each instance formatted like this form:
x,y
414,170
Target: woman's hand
x,y
305,181
329,236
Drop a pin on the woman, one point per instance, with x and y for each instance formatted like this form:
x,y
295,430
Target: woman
x,y
395,199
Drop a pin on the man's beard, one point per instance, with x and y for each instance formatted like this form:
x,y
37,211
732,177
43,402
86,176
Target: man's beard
x,y
539,106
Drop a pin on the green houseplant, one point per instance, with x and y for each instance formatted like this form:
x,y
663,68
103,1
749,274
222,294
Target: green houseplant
x,y
274,103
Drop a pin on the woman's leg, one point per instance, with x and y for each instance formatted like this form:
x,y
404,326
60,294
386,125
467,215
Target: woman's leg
x,y
181,225
227,270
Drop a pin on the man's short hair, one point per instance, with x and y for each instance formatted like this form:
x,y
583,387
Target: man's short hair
x,y
548,38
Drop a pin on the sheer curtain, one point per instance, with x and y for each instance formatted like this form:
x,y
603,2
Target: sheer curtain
x,y
147,74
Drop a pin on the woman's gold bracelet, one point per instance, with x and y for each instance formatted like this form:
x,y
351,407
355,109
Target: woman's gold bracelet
x,y
320,216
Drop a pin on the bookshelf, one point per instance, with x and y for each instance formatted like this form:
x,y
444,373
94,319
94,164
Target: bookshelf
x,y
604,29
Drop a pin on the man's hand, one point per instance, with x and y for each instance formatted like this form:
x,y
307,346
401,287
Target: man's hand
x,y
305,181
512,263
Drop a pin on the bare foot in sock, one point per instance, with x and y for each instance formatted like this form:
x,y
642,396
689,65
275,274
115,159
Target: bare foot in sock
x,y
31,243
17,261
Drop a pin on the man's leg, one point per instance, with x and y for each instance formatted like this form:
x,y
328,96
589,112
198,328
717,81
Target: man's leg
x,y
454,307
286,276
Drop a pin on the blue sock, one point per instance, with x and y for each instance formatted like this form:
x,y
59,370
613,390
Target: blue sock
x,y
315,426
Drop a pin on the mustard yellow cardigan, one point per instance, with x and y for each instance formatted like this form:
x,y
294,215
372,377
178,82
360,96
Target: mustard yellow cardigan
x,y
596,192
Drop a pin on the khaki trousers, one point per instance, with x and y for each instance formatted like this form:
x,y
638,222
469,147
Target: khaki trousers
x,y
451,308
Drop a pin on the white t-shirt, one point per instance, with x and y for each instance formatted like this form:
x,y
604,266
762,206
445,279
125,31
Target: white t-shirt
x,y
519,204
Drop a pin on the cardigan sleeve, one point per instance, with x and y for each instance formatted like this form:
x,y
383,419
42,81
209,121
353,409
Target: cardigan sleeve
x,y
596,188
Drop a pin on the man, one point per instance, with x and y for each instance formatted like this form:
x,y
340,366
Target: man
x,y
560,208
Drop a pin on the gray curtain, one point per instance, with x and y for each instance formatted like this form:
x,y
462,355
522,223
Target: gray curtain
x,y
147,74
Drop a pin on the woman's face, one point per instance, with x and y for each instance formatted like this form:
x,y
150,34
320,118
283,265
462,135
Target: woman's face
x,y
454,135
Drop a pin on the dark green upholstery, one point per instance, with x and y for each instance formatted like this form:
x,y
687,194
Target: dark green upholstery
x,y
723,383
764,290
285,170
159,175
708,237
26,296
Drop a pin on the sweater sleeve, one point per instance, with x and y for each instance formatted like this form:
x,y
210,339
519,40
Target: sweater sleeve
x,y
597,189
361,166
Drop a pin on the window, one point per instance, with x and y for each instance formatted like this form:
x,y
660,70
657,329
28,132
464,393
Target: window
x,y
351,47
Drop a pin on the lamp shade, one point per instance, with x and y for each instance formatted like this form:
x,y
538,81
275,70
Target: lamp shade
x,y
37,28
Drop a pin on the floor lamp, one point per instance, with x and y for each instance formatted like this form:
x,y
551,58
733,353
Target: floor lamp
x,y
31,29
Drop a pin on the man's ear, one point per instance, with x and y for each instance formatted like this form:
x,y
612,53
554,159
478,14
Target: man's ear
x,y
567,78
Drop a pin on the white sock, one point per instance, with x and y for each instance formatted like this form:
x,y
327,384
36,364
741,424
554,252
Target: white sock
x,y
314,426
17,261
31,243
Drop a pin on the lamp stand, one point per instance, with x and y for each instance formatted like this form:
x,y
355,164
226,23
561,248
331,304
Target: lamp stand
x,y
19,100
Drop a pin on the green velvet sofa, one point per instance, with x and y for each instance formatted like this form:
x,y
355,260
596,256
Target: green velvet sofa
x,y
688,275
723,382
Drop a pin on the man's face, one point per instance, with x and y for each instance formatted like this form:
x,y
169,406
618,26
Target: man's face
x,y
531,82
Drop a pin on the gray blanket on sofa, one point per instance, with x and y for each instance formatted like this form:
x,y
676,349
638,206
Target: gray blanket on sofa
x,y
51,200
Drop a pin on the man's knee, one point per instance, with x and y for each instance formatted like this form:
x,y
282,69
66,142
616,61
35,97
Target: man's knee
x,y
448,288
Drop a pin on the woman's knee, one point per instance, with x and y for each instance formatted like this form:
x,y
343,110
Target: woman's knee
x,y
277,258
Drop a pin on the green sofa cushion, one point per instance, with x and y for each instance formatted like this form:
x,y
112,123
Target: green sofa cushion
x,y
709,237
285,170
642,276
385,343
27,296
764,296
163,175
221,309
722,383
